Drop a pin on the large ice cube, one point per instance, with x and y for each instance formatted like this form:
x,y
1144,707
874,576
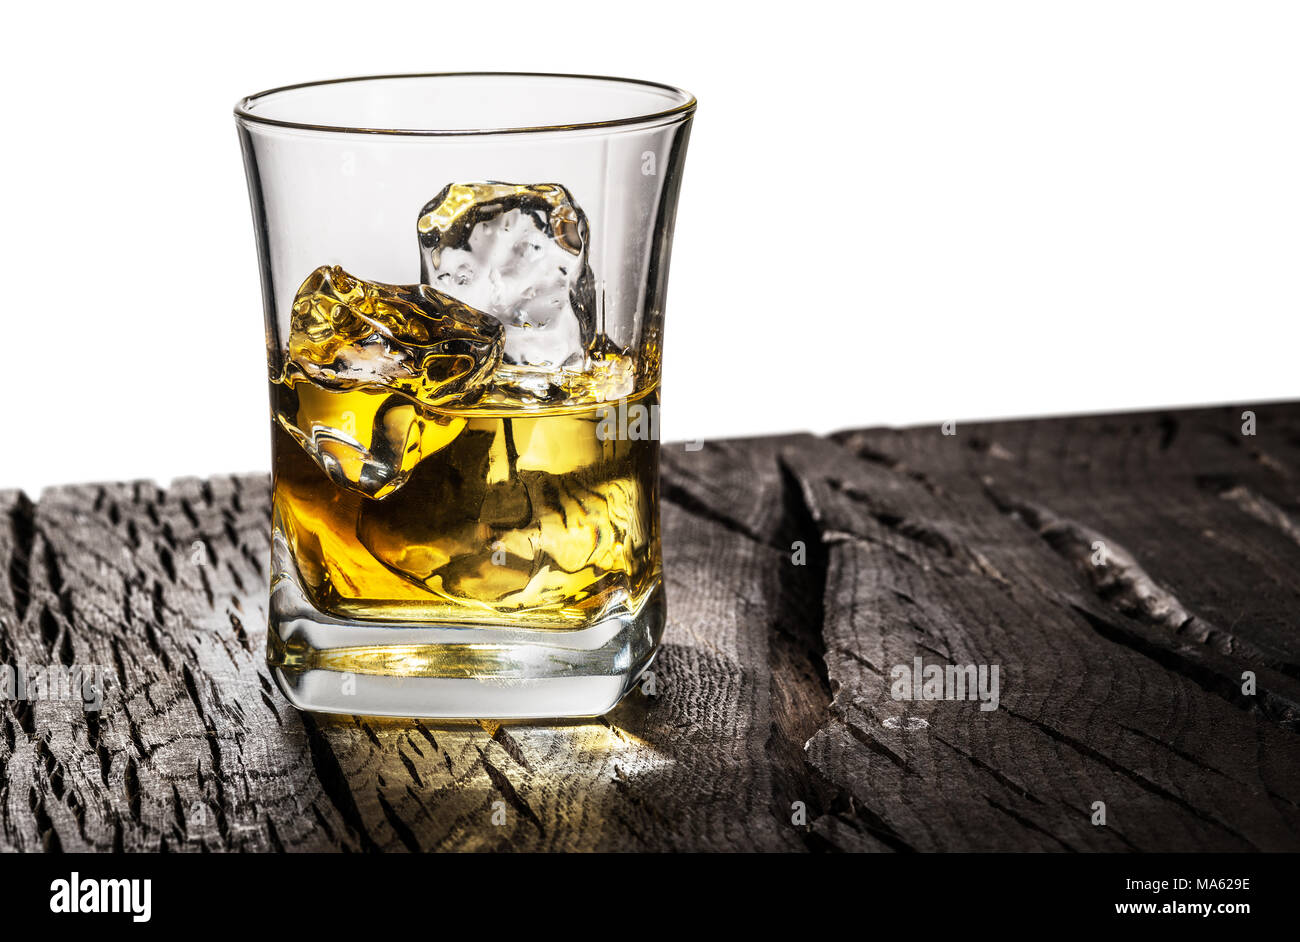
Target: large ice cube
x,y
518,252
345,333
366,361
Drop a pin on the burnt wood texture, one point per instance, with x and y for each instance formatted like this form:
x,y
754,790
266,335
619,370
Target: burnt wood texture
x,y
1127,574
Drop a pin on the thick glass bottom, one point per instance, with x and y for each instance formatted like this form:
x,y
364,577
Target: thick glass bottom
x,y
327,664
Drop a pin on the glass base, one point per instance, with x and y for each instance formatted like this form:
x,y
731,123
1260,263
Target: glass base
x,y
328,664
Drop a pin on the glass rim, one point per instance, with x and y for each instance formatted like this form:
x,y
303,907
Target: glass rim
x,y
243,108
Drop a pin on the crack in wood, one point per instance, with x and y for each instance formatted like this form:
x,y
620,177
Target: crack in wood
x,y
896,489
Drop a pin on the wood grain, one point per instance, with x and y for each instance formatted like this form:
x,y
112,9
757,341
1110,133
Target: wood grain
x,y
800,571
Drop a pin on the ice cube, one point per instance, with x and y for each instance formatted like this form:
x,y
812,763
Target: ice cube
x,y
365,439
367,362
346,333
519,253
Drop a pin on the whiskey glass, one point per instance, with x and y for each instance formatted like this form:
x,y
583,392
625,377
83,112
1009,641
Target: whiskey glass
x,y
463,279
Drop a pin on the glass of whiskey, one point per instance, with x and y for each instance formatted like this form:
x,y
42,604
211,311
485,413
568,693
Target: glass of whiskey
x,y
464,279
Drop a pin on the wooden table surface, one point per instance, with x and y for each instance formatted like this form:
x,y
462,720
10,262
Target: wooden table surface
x,y
773,726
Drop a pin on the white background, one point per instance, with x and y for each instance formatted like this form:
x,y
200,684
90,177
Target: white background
x,y
892,212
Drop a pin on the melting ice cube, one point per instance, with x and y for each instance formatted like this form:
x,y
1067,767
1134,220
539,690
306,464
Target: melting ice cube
x,y
518,252
346,333
365,362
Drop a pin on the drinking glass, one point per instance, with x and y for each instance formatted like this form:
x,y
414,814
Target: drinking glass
x,y
464,279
